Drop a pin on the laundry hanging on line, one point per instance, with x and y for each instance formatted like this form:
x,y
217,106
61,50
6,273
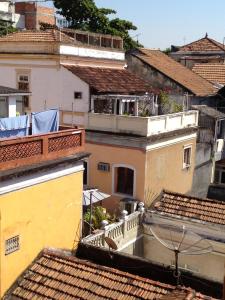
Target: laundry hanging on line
x,y
14,126
45,121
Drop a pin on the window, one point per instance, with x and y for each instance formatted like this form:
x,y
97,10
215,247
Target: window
x,y
187,157
105,167
77,95
24,85
12,245
123,181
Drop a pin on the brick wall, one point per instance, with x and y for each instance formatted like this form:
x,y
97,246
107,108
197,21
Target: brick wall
x,y
34,14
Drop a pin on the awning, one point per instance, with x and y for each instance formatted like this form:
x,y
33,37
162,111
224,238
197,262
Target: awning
x,y
96,196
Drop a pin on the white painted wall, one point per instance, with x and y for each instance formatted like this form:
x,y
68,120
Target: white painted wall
x,y
4,6
88,52
51,85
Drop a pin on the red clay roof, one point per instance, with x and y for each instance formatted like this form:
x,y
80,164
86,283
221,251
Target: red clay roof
x,y
214,73
176,72
59,276
50,35
109,80
203,45
205,210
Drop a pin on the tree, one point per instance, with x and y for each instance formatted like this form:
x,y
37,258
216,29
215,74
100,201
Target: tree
x,y
6,27
85,15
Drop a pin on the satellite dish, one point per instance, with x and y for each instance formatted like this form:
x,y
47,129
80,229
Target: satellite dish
x,y
179,240
111,243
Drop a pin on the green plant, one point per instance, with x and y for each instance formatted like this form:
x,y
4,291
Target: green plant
x,y
168,105
98,215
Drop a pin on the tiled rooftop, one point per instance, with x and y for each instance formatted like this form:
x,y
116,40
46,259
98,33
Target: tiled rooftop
x,y
175,71
50,35
214,73
106,80
58,276
205,44
179,205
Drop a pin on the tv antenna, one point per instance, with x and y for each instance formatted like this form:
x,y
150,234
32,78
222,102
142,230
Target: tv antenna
x,y
180,241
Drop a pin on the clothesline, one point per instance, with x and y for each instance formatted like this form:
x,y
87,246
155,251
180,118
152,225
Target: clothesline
x,y
42,122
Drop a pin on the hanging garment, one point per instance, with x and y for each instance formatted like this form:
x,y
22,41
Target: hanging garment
x,y
45,121
14,126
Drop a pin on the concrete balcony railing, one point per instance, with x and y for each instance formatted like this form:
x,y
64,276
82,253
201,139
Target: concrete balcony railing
x,y
122,233
143,126
17,152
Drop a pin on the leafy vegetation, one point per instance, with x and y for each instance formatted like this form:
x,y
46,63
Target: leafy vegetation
x,y
85,15
98,215
168,105
6,28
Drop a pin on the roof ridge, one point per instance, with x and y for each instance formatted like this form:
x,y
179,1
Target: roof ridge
x,y
143,56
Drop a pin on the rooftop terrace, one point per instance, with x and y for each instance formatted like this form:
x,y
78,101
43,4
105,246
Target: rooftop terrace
x,y
23,151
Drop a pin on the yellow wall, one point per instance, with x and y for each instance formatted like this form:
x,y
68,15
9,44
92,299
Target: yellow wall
x,y
164,169
155,170
114,155
44,215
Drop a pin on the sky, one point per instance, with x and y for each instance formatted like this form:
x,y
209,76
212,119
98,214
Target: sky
x,y
162,23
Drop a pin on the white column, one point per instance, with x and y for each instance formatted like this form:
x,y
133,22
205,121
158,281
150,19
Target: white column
x,y
12,106
120,107
136,108
92,104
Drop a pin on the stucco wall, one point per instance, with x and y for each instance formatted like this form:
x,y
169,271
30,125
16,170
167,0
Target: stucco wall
x,y
202,171
160,167
206,265
43,215
51,85
114,156
164,169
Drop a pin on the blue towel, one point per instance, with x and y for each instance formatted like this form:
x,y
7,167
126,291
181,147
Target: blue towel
x,y
15,126
45,121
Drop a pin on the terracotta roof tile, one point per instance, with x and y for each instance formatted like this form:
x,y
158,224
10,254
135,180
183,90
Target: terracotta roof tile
x,y
58,276
50,35
176,72
214,73
207,210
109,80
205,44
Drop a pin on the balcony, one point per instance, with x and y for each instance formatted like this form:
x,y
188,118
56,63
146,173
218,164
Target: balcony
x,y
17,152
142,126
123,232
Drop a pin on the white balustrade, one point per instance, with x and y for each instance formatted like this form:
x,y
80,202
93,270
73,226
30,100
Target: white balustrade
x,y
143,126
117,231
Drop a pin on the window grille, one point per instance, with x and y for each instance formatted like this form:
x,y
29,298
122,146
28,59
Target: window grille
x,y
105,167
12,245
